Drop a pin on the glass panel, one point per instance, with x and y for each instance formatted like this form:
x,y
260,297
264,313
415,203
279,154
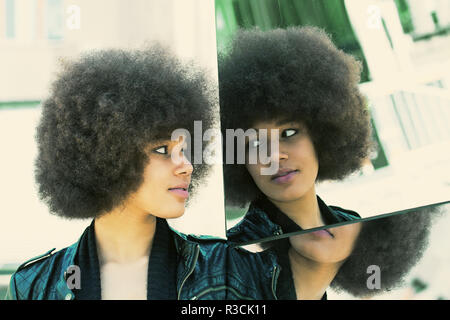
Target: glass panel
x,y
269,77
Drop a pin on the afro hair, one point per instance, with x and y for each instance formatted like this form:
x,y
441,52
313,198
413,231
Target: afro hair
x,y
395,244
294,74
104,108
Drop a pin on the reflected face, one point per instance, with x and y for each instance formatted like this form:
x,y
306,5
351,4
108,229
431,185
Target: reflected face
x,y
329,245
297,163
164,190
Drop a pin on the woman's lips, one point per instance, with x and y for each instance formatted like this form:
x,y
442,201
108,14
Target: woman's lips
x,y
324,233
180,191
284,177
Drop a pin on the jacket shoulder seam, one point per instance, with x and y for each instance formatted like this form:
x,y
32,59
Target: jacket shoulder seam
x,y
349,214
36,259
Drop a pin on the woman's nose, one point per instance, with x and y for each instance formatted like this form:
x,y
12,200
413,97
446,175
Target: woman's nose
x,y
278,155
185,167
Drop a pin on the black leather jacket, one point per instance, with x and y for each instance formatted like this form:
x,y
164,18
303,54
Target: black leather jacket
x,y
207,268
200,271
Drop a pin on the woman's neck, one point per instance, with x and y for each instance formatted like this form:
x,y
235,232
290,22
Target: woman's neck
x,y
124,236
311,278
304,211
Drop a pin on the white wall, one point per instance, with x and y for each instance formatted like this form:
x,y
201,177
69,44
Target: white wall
x,y
27,64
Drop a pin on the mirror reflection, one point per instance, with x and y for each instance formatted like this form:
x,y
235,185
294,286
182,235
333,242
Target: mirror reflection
x,y
330,111
402,256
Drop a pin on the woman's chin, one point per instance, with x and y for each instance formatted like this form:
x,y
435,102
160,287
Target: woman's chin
x,y
286,196
173,214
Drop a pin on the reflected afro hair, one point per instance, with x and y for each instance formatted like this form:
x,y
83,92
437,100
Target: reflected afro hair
x,y
395,244
103,110
294,74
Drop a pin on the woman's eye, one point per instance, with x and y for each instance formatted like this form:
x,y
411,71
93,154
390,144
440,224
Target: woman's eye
x,y
288,133
161,150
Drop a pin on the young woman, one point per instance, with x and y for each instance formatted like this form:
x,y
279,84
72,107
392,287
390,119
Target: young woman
x,y
297,83
105,153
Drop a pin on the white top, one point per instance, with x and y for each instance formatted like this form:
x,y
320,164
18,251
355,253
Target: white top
x,y
124,281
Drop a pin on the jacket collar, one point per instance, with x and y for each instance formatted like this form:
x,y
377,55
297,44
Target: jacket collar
x,y
63,291
263,219
186,249
254,226
330,214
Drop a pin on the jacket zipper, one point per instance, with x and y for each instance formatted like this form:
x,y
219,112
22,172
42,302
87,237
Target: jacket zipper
x,y
190,270
274,279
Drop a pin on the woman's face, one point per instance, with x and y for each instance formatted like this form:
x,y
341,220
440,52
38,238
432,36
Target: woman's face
x,y
331,245
164,190
297,163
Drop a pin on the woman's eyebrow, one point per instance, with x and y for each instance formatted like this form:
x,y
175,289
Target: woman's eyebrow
x,y
283,122
155,144
289,124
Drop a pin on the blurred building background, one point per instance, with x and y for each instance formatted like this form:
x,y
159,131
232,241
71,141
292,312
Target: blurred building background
x,y
35,33
34,36
404,47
